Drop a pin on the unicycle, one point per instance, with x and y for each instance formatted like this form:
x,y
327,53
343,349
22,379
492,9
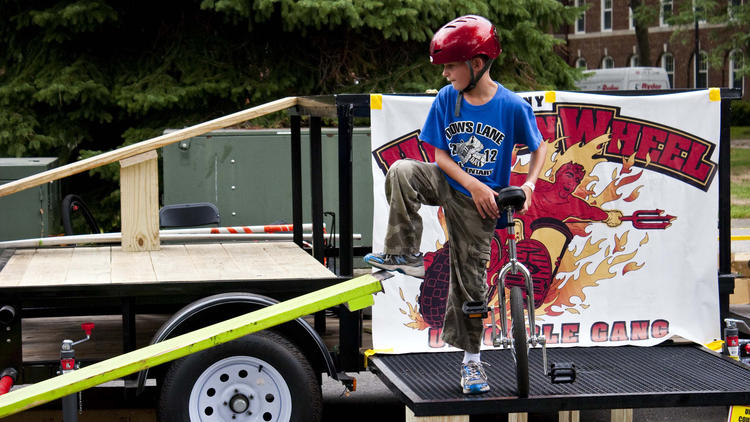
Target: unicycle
x,y
509,200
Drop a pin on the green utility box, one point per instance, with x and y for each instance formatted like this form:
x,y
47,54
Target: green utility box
x,y
248,175
33,212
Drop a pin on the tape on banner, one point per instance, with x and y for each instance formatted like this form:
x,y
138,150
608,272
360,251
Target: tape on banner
x,y
376,101
370,352
714,94
550,97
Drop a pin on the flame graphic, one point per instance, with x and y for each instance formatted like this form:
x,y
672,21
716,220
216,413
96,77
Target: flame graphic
x,y
417,322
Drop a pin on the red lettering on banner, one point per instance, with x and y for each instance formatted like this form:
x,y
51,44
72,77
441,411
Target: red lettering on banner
x,y
547,126
639,330
659,328
657,147
676,149
570,333
697,164
652,143
583,124
624,138
599,332
619,332
549,335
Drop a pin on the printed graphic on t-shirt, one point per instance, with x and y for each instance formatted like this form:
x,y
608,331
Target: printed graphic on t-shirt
x,y
473,152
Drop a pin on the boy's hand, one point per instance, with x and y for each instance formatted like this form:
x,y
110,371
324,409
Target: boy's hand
x,y
527,190
484,199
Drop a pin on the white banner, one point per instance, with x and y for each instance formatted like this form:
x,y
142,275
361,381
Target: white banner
x,y
621,239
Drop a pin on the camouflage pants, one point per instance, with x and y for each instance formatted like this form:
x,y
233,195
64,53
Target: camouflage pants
x,y
408,185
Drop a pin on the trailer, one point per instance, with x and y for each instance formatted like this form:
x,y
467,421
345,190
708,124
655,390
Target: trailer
x,y
200,284
194,284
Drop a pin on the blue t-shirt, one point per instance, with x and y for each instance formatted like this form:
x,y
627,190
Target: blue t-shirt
x,y
481,138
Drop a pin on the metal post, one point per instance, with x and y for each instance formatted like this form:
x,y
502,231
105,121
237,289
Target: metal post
x,y
726,278
316,182
350,333
697,50
296,149
316,185
128,325
346,195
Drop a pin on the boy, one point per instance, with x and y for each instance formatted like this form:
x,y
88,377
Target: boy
x,y
473,124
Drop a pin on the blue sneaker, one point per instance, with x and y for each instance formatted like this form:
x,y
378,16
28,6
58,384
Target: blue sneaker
x,y
412,265
473,378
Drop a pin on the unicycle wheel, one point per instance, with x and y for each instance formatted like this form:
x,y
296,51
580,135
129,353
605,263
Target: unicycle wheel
x,y
520,345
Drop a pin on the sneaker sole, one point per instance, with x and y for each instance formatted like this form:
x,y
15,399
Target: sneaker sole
x,y
417,272
479,390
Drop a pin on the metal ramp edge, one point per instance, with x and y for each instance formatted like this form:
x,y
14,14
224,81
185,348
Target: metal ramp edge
x,y
356,293
620,377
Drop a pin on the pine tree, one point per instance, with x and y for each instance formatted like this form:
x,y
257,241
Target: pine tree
x,y
78,77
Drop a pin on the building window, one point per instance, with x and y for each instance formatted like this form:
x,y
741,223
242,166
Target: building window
x,y
608,62
606,15
581,21
667,62
631,18
736,80
701,79
635,60
581,63
666,12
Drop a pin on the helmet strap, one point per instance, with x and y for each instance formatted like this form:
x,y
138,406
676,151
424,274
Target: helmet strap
x,y
472,82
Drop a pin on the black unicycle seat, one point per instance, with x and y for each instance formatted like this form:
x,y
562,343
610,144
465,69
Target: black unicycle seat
x,y
512,196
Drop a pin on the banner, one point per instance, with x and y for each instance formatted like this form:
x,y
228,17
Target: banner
x,y
621,238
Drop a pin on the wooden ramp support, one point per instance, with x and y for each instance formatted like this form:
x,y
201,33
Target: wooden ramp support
x,y
139,202
356,293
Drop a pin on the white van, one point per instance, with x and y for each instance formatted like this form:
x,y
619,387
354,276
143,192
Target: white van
x,y
624,79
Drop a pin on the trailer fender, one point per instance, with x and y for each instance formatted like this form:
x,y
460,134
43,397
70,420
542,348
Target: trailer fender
x,y
248,302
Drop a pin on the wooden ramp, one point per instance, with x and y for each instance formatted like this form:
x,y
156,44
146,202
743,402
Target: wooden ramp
x,y
356,293
172,263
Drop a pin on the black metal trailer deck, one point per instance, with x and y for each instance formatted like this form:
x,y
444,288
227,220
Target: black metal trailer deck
x,y
607,378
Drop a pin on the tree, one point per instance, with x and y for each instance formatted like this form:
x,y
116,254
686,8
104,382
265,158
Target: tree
x,y
82,76
643,17
734,16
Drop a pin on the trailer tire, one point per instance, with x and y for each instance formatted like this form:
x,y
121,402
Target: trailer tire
x,y
260,377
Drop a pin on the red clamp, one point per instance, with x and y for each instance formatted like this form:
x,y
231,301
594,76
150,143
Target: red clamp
x,y
68,364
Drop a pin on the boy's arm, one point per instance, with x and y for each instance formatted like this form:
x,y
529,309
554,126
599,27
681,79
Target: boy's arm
x,y
483,195
535,166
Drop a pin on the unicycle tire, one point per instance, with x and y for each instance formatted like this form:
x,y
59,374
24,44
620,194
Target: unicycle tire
x,y
520,345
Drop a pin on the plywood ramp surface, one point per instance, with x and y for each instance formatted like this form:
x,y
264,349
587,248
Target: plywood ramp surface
x,y
172,263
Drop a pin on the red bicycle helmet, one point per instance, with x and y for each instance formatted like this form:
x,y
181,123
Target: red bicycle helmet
x,y
464,38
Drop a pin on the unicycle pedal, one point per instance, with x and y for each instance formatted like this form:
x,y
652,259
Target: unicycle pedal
x,y
562,372
475,309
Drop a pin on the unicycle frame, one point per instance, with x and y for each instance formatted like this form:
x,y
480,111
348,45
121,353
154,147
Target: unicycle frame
x,y
501,338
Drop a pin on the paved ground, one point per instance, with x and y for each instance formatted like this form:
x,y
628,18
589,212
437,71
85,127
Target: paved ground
x,y
741,227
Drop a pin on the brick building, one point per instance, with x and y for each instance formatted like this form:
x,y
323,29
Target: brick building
x,y
605,37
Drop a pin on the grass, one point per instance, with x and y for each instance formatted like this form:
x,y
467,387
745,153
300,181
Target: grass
x,y
739,132
740,174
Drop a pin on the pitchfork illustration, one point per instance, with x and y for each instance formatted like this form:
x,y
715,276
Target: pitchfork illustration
x,y
649,219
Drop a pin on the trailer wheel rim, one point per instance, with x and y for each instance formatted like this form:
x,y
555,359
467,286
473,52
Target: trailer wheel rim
x,y
240,388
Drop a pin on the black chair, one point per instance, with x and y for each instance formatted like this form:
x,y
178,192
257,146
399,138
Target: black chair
x,y
189,215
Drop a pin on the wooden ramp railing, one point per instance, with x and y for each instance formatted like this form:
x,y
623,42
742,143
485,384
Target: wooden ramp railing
x,y
139,188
